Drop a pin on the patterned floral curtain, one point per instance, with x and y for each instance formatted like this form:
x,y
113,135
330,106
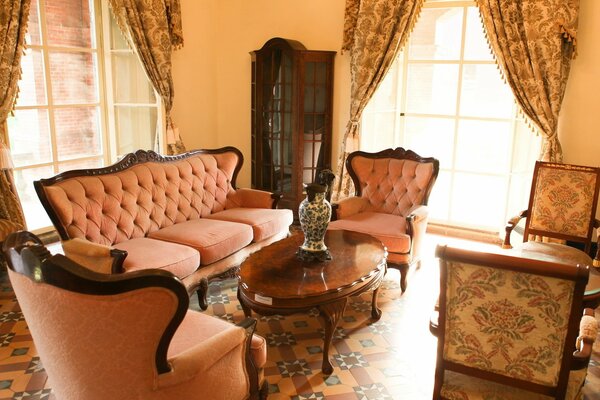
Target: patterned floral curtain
x,y
14,15
153,28
534,42
374,32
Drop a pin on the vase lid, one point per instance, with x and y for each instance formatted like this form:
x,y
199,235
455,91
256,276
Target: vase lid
x,y
314,187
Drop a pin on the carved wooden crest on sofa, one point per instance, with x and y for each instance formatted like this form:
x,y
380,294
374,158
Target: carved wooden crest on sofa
x,y
180,213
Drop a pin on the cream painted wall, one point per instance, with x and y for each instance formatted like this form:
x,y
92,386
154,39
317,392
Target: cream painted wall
x,y
579,122
212,73
194,76
579,119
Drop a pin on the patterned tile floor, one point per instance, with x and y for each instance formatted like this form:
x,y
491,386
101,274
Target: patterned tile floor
x,y
393,358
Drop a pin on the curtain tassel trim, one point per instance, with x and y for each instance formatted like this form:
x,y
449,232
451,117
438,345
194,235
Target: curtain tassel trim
x,y
570,35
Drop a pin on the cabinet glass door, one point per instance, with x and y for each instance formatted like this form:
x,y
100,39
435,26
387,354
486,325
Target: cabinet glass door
x,y
276,169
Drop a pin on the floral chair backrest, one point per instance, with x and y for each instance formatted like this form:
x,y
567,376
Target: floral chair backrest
x,y
506,322
563,200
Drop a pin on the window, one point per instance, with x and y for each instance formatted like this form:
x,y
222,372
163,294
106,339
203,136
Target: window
x,y
77,108
444,97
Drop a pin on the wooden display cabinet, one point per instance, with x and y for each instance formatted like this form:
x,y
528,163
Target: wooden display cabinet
x,y
292,97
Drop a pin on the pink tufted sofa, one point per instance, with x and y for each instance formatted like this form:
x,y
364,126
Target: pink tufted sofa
x,y
178,213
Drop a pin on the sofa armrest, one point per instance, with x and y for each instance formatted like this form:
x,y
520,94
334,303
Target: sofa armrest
x,y
96,257
251,198
350,206
417,213
201,357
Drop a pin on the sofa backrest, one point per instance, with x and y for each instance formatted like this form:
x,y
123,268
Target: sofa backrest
x,y
140,194
393,180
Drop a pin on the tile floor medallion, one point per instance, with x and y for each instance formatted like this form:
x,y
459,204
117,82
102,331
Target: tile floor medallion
x,y
393,358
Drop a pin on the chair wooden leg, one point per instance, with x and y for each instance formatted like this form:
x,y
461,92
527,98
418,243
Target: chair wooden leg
x,y
202,292
264,391
403,268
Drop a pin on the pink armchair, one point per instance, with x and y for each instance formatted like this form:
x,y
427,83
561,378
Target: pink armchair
x,y
392,189
128,336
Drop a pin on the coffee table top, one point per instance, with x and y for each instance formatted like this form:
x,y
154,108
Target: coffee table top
x,y
276,272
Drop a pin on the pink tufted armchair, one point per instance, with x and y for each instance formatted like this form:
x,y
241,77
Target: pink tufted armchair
x,y
510,328
392,189
128,336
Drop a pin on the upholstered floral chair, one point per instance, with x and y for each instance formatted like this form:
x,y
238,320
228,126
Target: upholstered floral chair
x,y
510,328
390,203
102,336
562,207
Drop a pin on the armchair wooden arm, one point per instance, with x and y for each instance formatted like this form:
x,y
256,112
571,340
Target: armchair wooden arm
x,y
416,225
434,326
596,262
510,225
588,330
96,257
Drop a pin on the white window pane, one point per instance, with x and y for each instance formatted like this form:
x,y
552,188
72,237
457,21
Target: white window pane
x,y
386,98
80,164
74,28
437,35
476,45
527,147
518,194
32,86
484,94
130,82
29,137
35,215
73,76
136,128
479,201
431,89
33,35
378,131
483,146
117,39
430,137
78,132
439,200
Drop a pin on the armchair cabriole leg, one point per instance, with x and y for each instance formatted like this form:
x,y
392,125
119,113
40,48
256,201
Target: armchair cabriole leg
x,y
202,292
256,391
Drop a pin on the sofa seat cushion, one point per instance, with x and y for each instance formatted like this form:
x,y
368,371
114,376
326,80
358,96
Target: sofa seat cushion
x,y
214,239
390,229
197,327
265,222
145,253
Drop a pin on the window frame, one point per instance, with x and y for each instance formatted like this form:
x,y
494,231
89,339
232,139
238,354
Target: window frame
x,y
400,69
105,104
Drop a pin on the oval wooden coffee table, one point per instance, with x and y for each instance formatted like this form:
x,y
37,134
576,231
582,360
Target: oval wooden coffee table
x,y
274,281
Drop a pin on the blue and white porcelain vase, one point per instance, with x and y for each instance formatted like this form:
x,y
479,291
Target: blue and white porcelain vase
x,y
314,214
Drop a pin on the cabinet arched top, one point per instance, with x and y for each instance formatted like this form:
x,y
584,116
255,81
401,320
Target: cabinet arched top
x,y
281,43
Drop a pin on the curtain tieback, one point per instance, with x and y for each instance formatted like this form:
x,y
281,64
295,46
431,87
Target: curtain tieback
x,y
569,34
